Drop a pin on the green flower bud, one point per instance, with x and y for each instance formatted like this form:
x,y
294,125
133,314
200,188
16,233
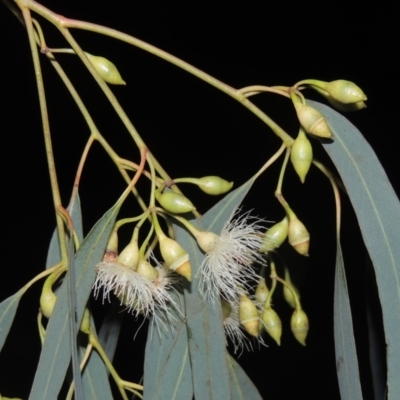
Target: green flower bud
x,y
298,235
47,298
275,236
176,258
85,324
214,185
174,202
272,324
248,316
226,308
147,270
345,92
312,121
111,253
261,291
129,256
287,293
106,69
301,155
299,325
351,107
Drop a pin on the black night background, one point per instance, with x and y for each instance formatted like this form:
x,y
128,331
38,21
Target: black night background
x,y
195,130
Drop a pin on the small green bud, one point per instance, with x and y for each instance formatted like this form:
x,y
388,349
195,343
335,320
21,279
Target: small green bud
x,y
272,324
312,121
111,253
147,270
174,202
214,185
301,155
85,324
106,69
299,325
261,291
129,256
176,258
47,298
346,107
345,92
287,293
298,235
248,316
275,236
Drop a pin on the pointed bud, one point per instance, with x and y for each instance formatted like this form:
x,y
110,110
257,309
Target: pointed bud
x,y
176,258
298,235
261,291
111,253
272,324
129,256
346,107
287,293
248,316
301,155
226,308
85,324
299,325
312,121
214,185
174,202
147,270
106,69
345,92
47,297
275,236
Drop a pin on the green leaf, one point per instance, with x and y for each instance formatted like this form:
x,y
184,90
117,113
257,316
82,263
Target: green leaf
x,y
242,387
56,353
74,208
345,347
207,345
167,370
8,308
378,212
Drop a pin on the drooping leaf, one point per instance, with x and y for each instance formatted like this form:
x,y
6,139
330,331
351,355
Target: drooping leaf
x,y
345,347
8,308
378,212
74,208
242,387
167,370
207,346
56,353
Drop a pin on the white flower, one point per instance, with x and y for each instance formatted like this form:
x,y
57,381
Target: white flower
x,y
227,267
138,293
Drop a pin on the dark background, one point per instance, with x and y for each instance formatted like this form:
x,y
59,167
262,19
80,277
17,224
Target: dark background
x,y
180,118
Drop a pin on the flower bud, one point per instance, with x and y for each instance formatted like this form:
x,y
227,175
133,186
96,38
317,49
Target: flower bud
x,y
226,308
175,202
147,270
129,256
47,298
261,291
299,325
272,324
287,293
312,121
351,107
248,316
298,235
345,92
106,69
301,155
275,236
85,324
111,253
214,185
176,258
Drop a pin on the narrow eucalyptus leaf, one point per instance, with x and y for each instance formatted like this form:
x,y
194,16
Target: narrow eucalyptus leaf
x,y
345,347
207,343
53,254
8,308
378,212
242,387
167,370
56,352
